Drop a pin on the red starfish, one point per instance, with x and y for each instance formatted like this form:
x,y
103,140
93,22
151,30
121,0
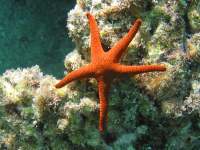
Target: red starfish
x,y
104,66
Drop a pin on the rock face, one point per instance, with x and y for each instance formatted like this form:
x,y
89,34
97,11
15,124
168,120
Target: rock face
x,y
153,111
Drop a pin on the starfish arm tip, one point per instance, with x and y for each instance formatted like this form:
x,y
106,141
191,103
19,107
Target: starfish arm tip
x,y
138,21
58,85
88,14
164,68
161,67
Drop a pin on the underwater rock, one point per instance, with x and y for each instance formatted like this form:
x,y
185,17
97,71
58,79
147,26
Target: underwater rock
x,y
192,102
32,108
193,45
194,16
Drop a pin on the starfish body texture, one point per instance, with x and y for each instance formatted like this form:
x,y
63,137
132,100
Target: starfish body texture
x,y
104,66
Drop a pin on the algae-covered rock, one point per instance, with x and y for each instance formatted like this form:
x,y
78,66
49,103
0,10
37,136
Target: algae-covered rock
x,y
35,112
194,16
194,47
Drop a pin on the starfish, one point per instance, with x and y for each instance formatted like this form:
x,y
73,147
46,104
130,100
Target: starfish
x,y
104,66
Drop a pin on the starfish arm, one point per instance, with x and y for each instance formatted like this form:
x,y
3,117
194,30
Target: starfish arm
x,y
103,88
85,71
123,69
96,48
122,44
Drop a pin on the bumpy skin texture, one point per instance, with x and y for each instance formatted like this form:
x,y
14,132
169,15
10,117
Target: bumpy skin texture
x,y
104,66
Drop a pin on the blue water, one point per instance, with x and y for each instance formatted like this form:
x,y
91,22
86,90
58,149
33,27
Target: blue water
x,y
33,32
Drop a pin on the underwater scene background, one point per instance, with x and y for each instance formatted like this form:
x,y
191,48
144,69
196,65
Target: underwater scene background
x,y
157,110
34,32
